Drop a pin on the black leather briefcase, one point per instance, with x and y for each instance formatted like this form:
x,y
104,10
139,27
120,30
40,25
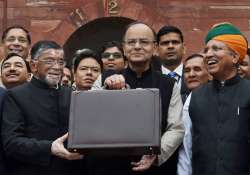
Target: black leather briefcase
x,y
117,122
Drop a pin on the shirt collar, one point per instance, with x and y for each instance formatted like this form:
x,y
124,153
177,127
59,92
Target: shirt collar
x,y
178,70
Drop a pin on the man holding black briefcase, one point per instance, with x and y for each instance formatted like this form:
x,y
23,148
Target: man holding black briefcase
x,y
139,46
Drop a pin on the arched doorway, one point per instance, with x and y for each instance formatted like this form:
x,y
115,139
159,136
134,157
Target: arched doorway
x,y
94,34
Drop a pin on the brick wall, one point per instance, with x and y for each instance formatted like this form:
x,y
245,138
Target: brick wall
x,y
58,19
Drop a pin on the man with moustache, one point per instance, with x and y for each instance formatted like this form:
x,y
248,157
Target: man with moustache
x,y
139,46
15,71
35,118
220,110
15,39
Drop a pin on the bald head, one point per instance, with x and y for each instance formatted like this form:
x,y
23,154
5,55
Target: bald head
x,y
139,46
140,27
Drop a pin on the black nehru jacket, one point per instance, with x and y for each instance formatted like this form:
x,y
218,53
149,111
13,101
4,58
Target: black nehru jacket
x,y
149,79
220,115
34,115
121,165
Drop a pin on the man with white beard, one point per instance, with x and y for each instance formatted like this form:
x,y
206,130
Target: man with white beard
x,y
35,118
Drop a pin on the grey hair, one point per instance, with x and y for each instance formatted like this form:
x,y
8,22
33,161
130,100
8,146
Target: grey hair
x,y
41,46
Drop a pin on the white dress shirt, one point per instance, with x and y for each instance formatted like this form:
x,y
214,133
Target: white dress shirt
x,y
184,166
178,70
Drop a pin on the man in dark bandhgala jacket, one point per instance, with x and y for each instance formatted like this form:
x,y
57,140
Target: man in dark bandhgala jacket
x,y
35,118
139,46
220,110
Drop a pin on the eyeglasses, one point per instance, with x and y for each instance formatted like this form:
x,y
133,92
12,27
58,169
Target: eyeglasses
x,y
142,42
19,39
51,62
115,55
